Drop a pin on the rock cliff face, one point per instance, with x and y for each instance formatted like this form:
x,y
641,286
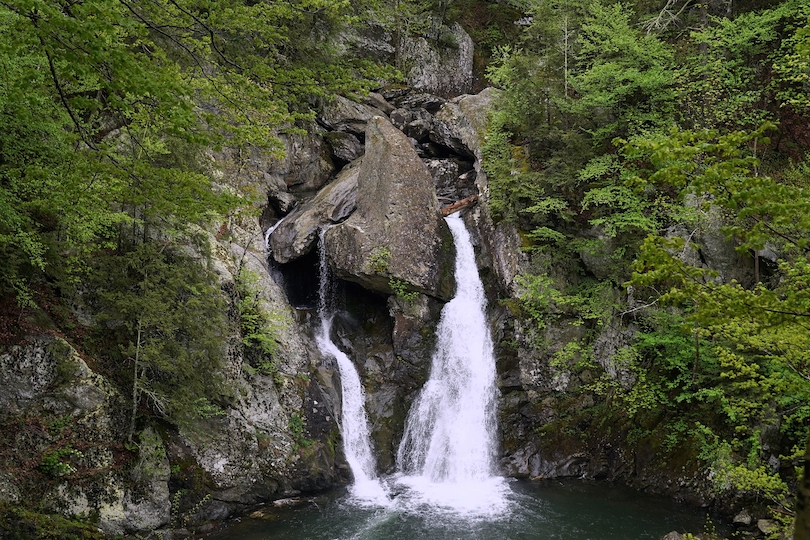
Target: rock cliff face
x,y
386,242
251,454
375,175
73,419
75,423
446,71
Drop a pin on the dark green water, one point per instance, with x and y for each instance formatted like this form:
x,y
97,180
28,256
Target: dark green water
x,y
572,510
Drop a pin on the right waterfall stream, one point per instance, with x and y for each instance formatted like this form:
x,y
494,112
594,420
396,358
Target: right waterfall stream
x,y
448,449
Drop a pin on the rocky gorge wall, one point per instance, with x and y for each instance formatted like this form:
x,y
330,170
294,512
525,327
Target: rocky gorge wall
x,y
376,175
355,169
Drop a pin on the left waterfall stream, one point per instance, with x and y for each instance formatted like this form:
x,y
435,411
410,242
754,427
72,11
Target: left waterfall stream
x,y
367,488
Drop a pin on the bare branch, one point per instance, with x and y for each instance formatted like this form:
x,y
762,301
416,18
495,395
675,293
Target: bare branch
x,y
665,17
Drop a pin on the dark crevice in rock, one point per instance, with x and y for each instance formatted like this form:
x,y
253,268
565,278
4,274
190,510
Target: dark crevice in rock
x,y
301,278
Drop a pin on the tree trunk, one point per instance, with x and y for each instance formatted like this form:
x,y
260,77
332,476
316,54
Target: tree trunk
x,y
458,205
136,393
802,524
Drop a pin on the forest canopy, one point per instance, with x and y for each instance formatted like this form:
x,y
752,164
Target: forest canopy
x,y
629,141
106,105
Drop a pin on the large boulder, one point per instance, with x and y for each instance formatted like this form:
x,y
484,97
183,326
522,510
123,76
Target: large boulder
x,y
443,66
396,234
299,232
343,114
462,122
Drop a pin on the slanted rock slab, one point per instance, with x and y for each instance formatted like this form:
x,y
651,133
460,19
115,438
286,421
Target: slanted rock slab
x,y
297,235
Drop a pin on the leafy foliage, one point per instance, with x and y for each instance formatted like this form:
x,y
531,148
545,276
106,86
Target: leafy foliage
x,y
106,106
616,157
257,326
53,463
170,319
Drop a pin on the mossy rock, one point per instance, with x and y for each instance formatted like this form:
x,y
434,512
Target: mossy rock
x,y
19,523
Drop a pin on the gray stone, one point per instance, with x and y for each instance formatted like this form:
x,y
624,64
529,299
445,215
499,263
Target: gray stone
x,y
743,517
372,41
442,70
429,102
400,117
304,164
307,164
415,123
500,246
418,130
288,501
345,146
706,246
509,257
46,377
766,526
445,173
609,348
151,507
284,200
29,371
9,493
397,231
86,397
213,511
674,535
720,252
775,463
462,122
299,232
597,258
451,184
378,102
24,372
343,114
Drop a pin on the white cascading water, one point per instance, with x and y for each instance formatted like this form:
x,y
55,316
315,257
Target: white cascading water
x,y
354,425
270,231
448,450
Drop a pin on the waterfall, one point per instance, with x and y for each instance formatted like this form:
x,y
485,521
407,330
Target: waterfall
x,y
354,424
448,449
270,231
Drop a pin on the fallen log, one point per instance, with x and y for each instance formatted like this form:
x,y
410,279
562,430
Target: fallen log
x,y
459,205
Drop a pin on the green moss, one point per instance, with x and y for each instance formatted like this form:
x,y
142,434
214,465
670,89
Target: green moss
x,y
402,290
20,524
